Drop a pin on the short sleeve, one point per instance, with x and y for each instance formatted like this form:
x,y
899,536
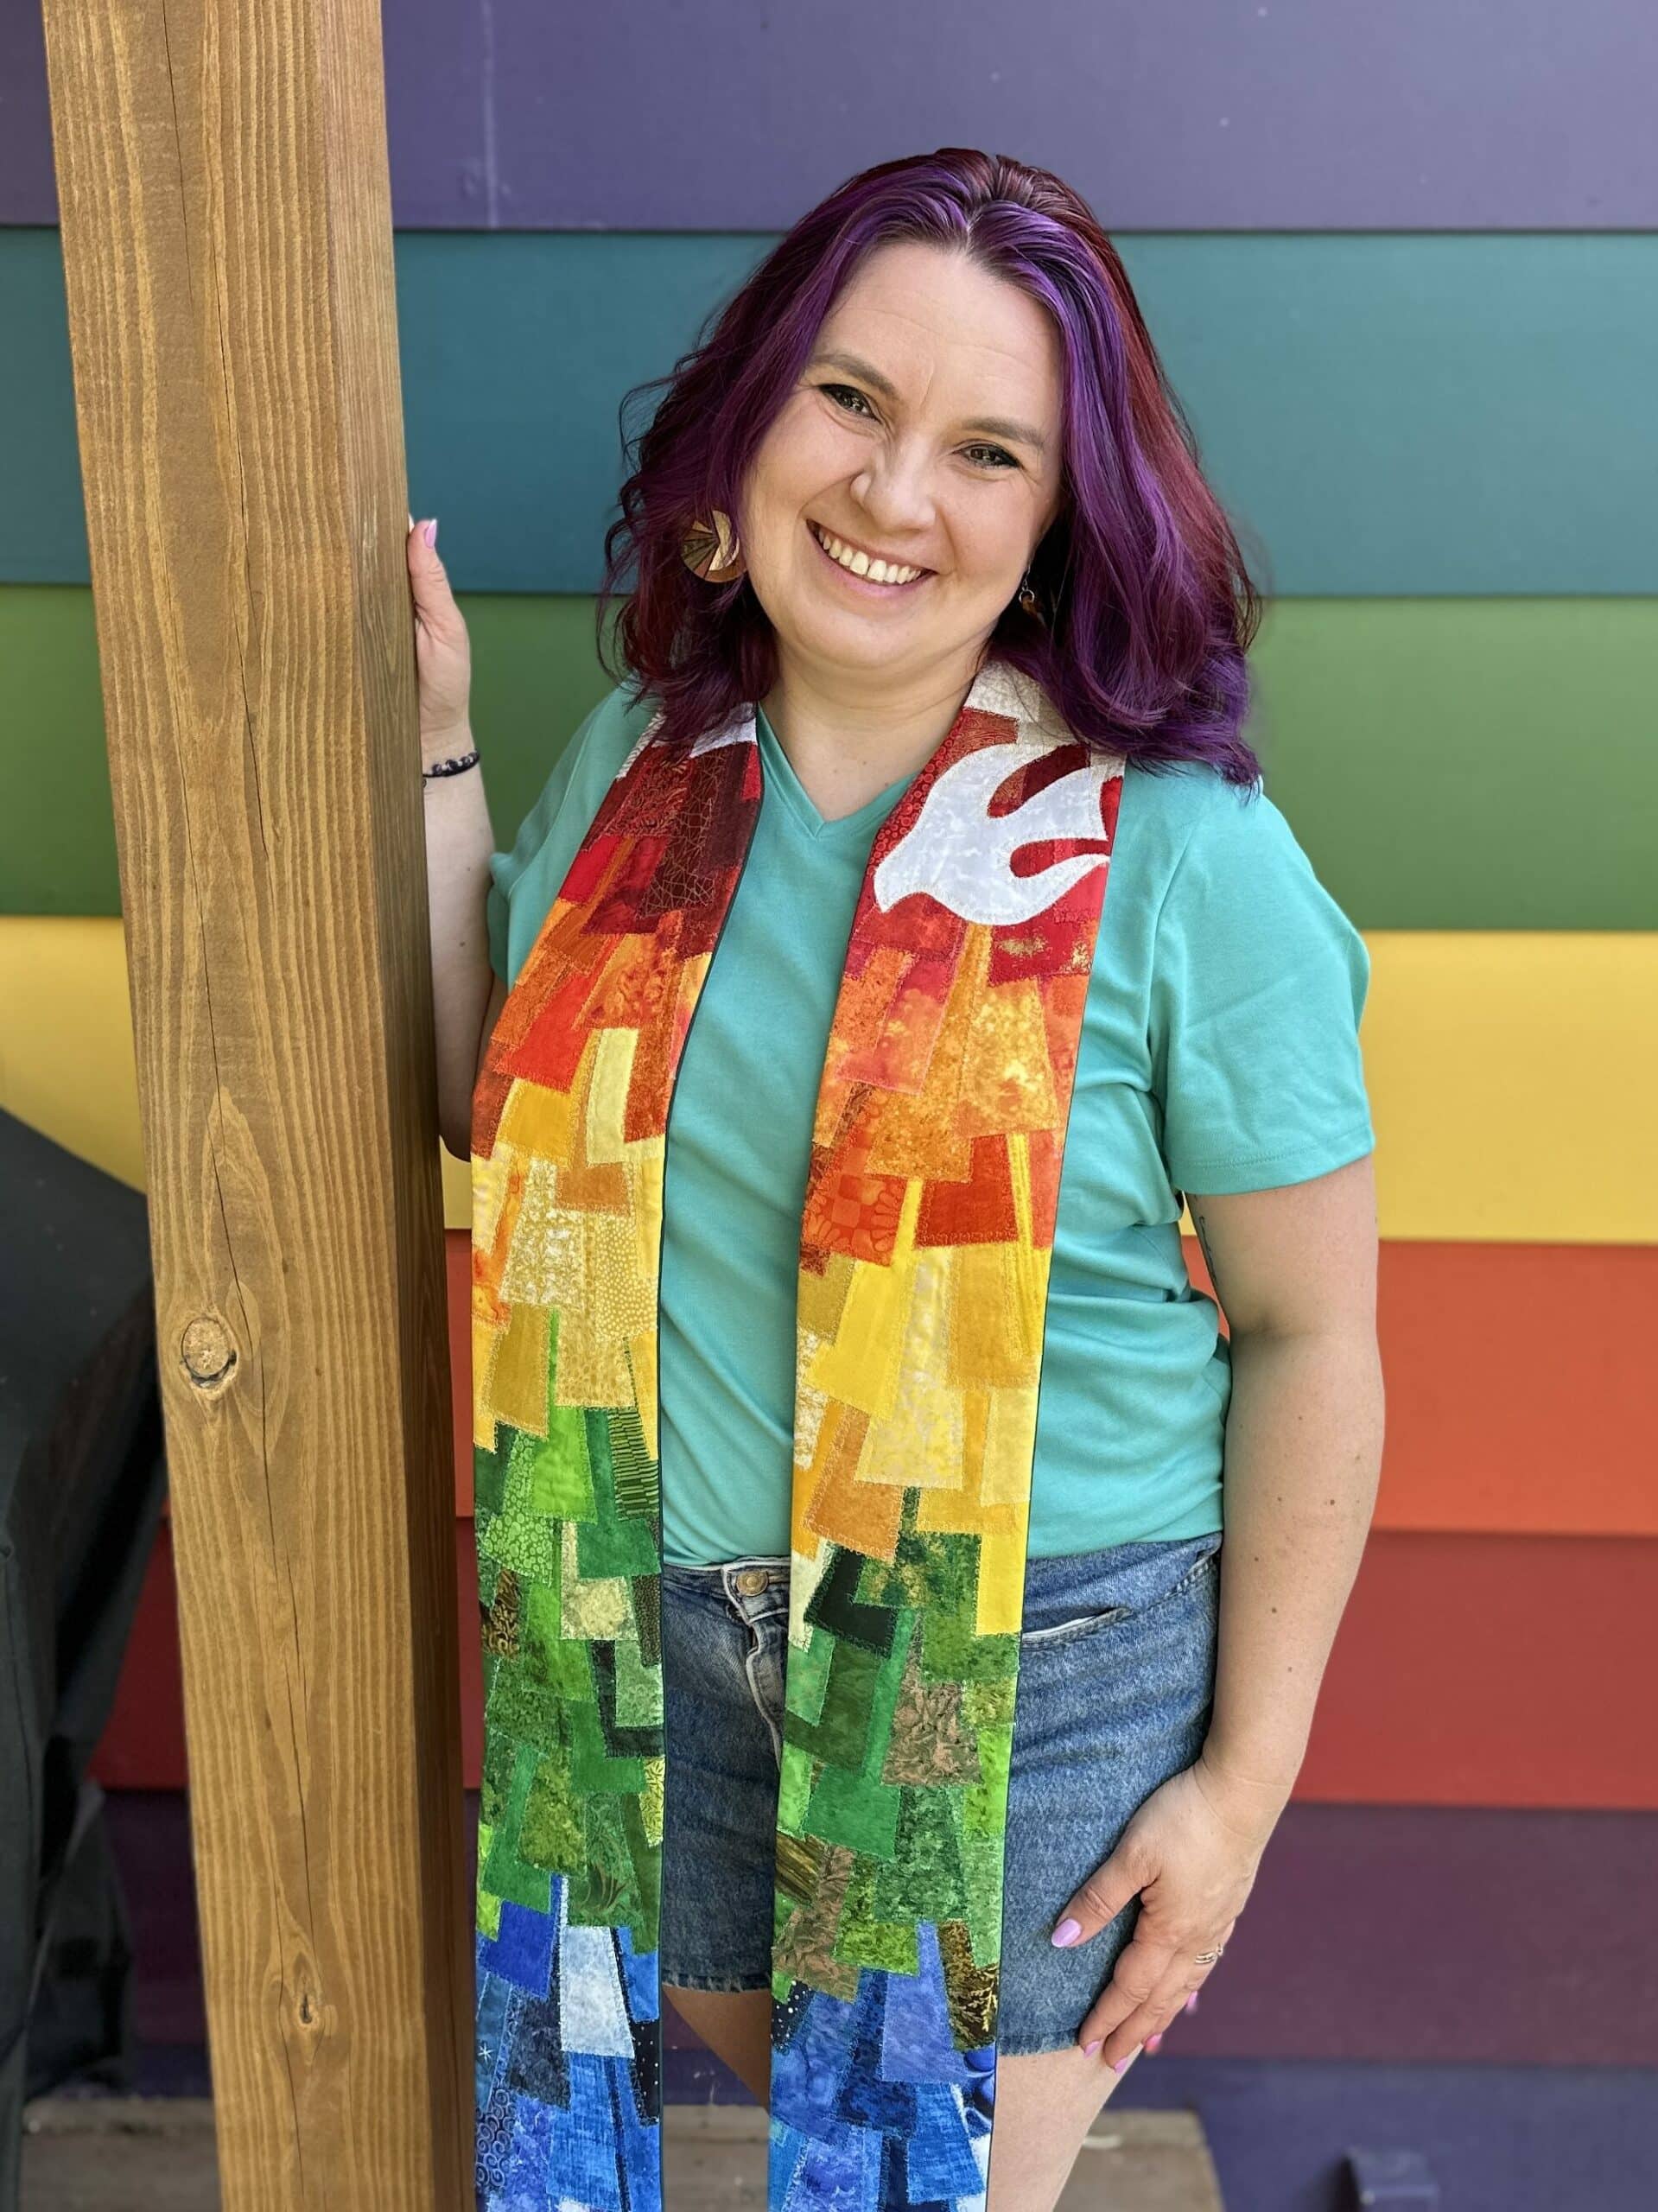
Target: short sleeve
x,y
507,870
1258,986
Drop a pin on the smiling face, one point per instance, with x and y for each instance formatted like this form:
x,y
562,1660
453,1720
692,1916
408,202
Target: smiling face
x,y
931,440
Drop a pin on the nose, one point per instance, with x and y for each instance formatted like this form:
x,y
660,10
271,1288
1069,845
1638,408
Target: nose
x,y
895,493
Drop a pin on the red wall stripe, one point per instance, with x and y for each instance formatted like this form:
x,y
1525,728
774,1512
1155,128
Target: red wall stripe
x,y
1501,1671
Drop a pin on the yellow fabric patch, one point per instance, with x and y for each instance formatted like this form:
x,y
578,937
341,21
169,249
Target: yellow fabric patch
x,y
613,1074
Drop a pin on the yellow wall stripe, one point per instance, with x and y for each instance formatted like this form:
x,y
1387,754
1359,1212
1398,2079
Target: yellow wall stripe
x,y
1511,1074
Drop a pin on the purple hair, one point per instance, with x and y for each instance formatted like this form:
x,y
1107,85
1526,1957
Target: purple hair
x,y
1151,611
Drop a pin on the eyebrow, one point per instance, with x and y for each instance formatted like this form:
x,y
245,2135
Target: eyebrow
x,y
996,426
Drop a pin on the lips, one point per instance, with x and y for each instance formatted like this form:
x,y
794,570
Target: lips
x,y
867,584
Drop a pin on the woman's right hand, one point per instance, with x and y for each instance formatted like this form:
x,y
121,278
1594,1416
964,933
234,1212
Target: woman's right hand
x,y
443,650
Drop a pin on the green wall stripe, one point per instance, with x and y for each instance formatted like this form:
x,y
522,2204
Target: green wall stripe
x,y
1446,764
1384,415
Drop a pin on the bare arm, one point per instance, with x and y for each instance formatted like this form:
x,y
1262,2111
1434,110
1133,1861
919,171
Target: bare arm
x,y
466,993
1294,1270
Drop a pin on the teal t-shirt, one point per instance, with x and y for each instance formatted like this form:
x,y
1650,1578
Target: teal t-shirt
x,y
1219,1052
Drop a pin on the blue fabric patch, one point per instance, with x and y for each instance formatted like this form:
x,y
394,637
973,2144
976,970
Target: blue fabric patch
x,y
916,2033
940,2160
523,1952
584,2145
642,1975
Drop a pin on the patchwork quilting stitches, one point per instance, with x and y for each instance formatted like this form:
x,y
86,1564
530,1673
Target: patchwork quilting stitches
x,y
926,1238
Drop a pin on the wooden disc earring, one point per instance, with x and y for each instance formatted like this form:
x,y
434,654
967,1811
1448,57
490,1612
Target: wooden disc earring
x,y
712,551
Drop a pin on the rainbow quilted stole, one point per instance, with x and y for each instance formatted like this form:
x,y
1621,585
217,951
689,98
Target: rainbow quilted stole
x,y
925,1248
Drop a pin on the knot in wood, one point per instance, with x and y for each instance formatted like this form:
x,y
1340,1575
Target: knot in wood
x,y
208,1354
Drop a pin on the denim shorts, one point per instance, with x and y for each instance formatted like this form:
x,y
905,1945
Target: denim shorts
x,y
1116,1678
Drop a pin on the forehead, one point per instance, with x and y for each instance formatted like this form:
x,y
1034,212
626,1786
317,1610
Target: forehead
x,y
940,328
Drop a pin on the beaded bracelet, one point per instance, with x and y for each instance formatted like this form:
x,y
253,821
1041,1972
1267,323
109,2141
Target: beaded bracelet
x,y
450,767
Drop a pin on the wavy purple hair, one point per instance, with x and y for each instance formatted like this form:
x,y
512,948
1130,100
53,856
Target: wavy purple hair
x,y
1151,609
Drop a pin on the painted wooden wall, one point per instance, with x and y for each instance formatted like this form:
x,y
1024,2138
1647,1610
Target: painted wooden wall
x,y
1406,279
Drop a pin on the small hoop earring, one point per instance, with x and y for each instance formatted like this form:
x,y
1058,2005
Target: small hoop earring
x,y
1028,599
712,551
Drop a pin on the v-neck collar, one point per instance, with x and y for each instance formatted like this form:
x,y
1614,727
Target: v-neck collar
x,y
844,828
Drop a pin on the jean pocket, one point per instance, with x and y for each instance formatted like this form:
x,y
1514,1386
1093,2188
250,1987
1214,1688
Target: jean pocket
x,y
1068,1631
1141,1578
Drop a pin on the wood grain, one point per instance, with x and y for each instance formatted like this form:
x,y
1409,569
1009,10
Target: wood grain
x,y
227,240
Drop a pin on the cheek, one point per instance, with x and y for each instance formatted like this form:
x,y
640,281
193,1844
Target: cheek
x,y
805,455
988,548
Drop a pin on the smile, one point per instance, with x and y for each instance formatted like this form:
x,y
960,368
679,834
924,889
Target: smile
x,y
843,557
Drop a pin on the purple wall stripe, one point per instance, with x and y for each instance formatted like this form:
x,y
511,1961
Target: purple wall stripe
x,y
1205,115
1376,1935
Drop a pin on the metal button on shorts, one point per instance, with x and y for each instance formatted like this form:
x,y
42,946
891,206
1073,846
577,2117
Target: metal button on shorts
x,y
752,1580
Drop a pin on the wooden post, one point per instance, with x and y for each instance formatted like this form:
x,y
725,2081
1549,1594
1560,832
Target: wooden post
x,y
227,244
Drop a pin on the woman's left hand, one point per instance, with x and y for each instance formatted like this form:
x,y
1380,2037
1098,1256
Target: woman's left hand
x,y
1190,1854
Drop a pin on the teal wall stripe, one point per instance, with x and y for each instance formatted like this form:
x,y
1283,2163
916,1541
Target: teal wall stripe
x,y
1385,414
1469,764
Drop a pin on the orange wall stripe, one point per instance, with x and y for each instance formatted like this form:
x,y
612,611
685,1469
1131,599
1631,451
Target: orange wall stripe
x,y
1518,1393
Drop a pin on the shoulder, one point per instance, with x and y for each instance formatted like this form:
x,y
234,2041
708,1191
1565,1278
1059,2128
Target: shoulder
x,y
1174,821
1223,883
591,759
1189,832
524,881
1163,809
603,740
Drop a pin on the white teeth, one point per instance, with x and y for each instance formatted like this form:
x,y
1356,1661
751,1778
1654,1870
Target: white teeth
x,y
878,572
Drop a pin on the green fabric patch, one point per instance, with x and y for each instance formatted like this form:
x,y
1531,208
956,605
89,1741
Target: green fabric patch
x,y
850,1808
500,1761
505,1875
550,1834
794,1786
637,1479
990,1704
646,1858
638,1688
864,1940
841,1733
489,1472
521,1538
560,1662
524,1710
860,1809
595,1772
926,1879
984,1867
611,1544
984,1805
558,1477
605,1890
951,1652
807,1675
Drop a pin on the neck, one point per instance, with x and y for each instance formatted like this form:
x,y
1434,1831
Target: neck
x,y
848,733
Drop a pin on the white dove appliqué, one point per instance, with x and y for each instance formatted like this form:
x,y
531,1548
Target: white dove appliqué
x,y
962,855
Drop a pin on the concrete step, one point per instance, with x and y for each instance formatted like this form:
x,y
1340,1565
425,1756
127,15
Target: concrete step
x,y
131,2154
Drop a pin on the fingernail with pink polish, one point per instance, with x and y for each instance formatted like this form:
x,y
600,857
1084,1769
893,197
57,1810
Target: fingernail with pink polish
x,y
1191,2002
429,532
1152,2042
1089,2048
1067,1931
1120,2063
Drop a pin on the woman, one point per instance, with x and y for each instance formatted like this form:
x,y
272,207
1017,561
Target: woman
x,y
1011,954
